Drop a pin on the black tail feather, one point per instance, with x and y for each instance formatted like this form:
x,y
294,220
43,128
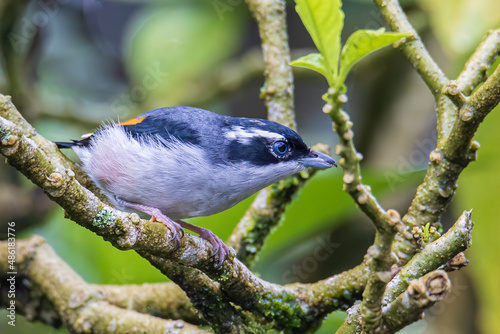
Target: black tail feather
x,y
82,142
65,145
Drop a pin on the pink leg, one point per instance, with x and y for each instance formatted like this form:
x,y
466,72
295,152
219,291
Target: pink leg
x,y
219,246
156,215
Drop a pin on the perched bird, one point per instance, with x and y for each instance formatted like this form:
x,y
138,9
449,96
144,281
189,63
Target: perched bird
x,y
181,162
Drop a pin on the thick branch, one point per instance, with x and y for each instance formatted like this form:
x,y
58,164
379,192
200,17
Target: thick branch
x,y
204,294
278,88
338,291
434,255
79,305
448,161
165,300
419,296
407,308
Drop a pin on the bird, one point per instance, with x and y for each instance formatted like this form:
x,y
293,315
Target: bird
x,y
174,163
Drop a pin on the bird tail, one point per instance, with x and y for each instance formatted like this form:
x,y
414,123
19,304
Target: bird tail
x,y
82,142
65,145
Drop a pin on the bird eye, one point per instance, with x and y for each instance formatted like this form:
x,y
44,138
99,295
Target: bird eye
x,y
280,147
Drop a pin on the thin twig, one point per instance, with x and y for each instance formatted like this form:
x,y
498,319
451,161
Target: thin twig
x,y
475,69
412,47
379,254
458,146
418,56
350,161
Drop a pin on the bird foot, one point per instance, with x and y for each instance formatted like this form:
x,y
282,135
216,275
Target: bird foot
x,y
156,215
174,227
219,247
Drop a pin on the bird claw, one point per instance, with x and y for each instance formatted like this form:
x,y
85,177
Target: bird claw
x,y
174,227
219,247
156,216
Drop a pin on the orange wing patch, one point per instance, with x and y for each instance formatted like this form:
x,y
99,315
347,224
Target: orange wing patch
x,y
133,121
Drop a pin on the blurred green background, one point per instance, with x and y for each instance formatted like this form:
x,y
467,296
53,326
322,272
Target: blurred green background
x,y
70,64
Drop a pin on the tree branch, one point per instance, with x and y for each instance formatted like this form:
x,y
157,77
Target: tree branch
x,y
380,262
165,300
413,48
448,161
406,309
205,295
350,161
419,296
418,56
458,148
278,87
79,305
42,163
433,256
475,69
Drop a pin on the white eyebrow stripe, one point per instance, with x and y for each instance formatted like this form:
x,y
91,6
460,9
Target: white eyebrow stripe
x,y
244,136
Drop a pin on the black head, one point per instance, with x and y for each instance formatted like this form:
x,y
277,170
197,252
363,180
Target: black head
x,y
262,142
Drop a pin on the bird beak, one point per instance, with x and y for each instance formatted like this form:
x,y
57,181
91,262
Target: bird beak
x,y
318,160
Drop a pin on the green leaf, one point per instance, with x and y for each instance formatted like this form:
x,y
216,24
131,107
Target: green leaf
x,y
362,43
315,62
324,20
